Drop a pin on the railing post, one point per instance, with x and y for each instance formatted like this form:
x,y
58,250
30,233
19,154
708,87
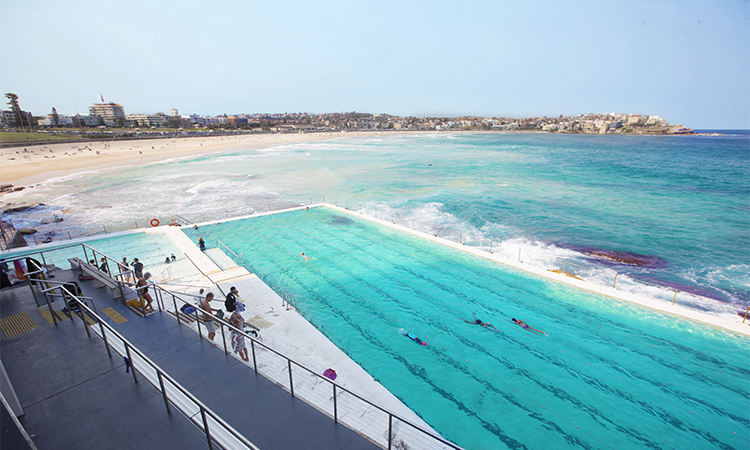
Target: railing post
x,y
205,428
335,410
291,383
122,291
176,311
613,283
223,337
255,362
675,296
390,430
104,337
564,263
52,313
748,310
130,359
83,319
33,293
163,391
197,321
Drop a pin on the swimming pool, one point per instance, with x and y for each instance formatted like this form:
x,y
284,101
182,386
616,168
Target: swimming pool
x,y
607,375
150,248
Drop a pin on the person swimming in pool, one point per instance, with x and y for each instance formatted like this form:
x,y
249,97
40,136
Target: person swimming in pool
x,y
479,322
307,258
412,337
526,326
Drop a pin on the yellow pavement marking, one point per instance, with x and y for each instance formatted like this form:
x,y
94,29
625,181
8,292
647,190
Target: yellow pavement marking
x,y
114,315
17,324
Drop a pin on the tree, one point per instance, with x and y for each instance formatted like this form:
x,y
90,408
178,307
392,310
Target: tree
x,y
55,116
13,103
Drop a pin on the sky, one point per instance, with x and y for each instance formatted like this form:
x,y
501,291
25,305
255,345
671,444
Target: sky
x,y
686,61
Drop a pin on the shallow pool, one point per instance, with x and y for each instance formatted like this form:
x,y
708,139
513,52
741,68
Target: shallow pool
x,y
608,374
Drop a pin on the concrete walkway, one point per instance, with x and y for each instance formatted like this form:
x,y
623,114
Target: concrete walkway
x,y
75,396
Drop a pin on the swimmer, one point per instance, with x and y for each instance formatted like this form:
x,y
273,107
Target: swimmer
x,y
479,322
412,337
526,326
307,258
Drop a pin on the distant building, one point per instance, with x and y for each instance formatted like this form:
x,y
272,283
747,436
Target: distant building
x,y
146,120
10,119
175,113
107,111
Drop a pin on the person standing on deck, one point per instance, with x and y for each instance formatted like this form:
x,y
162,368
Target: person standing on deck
x,y
231,302
142,289
238,339
208,319
137,268
124,266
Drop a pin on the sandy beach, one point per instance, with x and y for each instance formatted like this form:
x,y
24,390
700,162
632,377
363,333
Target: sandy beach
x,y
28,165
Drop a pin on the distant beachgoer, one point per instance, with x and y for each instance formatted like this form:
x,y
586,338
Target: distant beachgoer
x,y
142,289
208,319
201,244
173,257
103,265
137,268
307,258
167,261
479,322
526,326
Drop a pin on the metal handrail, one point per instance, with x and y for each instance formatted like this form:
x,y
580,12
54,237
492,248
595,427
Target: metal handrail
x,y
162,376
187,222
236,256
254,341
287,298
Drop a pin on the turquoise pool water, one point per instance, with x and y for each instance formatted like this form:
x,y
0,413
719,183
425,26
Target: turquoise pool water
x,y
607,375
150,248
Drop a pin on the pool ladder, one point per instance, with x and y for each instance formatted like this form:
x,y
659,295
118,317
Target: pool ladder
x,y
288,300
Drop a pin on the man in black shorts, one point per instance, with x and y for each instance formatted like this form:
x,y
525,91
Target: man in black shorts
x,y
479,322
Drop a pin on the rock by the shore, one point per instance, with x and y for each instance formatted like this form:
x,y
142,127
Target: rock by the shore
x,y
17,209
27,231
6,188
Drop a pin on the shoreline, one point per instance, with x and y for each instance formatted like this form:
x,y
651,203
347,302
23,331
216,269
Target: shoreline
x,y
31,165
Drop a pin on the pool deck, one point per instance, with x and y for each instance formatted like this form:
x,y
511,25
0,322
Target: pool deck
x,y
75,396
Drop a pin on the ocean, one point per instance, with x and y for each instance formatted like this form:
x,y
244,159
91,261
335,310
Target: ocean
x,y
666,217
